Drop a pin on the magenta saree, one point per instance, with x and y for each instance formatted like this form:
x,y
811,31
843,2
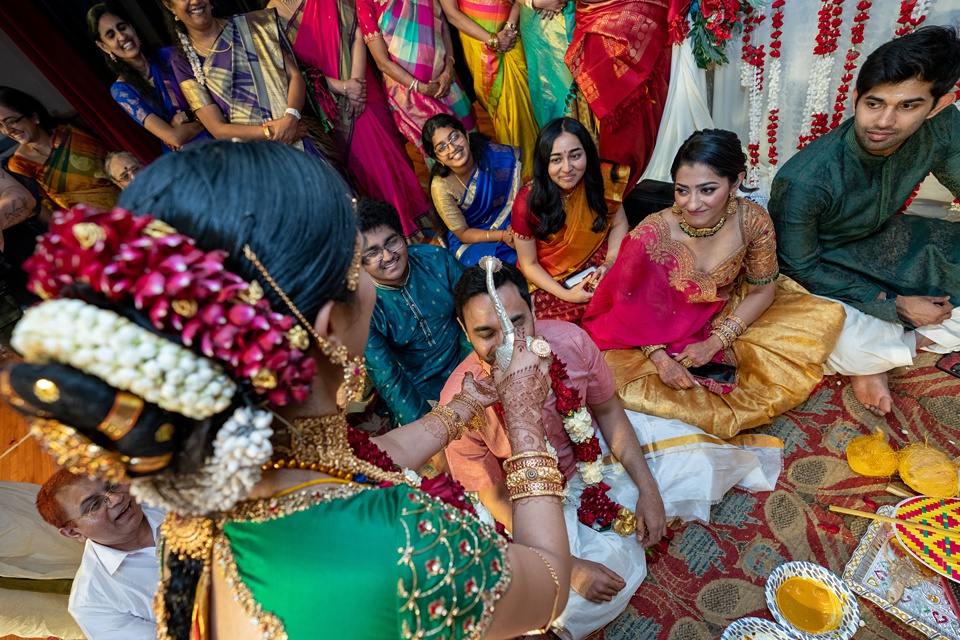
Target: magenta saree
x,y
323,33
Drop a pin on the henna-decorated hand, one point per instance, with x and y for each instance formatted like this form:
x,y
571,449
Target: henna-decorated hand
x,y
523,388
483,389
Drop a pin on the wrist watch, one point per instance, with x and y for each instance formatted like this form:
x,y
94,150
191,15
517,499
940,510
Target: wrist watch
x,y
293,112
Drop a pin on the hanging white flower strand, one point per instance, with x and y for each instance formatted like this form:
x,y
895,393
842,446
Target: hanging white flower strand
x,y
815,122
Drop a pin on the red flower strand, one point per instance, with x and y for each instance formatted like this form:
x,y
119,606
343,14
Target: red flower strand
x,y
906,20
753,55
773,119
850,63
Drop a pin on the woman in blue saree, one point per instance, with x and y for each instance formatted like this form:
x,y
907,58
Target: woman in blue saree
x,y
145,86
474,182
240,78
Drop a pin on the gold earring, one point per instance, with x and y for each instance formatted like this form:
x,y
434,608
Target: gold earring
x,y
353,370
113,57
732,204
676,209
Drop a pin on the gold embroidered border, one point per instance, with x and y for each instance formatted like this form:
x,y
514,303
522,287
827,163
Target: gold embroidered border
x,y
268,624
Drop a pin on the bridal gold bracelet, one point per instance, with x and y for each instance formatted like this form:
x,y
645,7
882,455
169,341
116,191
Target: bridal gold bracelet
x,y
650,348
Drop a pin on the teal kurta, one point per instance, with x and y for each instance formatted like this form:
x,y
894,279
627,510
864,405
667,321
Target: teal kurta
x,y
363,563
415,340
834,207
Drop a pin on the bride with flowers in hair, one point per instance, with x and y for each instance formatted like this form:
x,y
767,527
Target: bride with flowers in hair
x,y
199,344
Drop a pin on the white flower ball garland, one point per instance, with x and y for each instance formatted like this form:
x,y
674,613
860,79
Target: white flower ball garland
x,y
124,355
241,447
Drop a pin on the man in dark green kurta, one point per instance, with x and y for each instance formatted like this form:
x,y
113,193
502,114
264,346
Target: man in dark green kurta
x,y
834,204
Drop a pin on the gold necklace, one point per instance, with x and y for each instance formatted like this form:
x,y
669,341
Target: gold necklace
x,y
209,50
701,232
321,444
705,232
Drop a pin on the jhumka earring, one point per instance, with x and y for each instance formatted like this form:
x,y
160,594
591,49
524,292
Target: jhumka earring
x,y
353,369
676,209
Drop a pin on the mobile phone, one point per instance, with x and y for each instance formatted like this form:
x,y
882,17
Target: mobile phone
x,y
950,363
577,278
719,371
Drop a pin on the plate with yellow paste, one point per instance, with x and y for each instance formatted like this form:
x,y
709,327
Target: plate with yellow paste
x,y
812,602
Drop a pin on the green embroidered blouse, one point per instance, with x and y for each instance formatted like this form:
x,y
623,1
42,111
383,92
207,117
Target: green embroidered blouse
x,y
357,562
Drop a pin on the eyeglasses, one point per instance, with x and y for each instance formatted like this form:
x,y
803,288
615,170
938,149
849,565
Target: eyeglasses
x,y
444,147
9,122
98,505
374,255
127,174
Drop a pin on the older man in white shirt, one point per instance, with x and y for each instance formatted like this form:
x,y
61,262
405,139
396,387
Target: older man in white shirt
x,y
112,593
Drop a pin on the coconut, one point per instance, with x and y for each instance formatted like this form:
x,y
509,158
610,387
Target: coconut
x,y
929,471
872,456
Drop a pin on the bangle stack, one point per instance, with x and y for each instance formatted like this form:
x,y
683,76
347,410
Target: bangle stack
x,y
477,420
647,350
414,86
533,473
729,330
451,421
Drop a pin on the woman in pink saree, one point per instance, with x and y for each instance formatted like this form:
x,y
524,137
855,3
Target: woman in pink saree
x,y
328,45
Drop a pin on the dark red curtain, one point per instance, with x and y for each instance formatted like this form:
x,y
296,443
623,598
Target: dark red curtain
x,y
68,70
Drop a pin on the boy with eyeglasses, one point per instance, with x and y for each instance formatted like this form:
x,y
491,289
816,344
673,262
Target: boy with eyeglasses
x,y
415,341
112,594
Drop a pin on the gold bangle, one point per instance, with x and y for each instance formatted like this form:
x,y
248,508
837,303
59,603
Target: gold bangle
x,y
526,463
647,350
510,462
266,131
469,402
451,420
736,320
556,597
724,334
520,477
537,490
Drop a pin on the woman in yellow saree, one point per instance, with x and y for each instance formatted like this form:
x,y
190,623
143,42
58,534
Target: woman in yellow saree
x,y
491,46
694,318
66,162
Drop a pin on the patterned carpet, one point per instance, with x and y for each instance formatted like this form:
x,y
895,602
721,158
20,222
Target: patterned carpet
x,y
715,574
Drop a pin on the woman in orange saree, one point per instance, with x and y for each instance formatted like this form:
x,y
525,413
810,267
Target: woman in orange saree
x,y
569,219
694,318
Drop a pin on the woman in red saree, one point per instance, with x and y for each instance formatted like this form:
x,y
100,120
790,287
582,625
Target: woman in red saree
x,y
695,319
569,219
620,59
